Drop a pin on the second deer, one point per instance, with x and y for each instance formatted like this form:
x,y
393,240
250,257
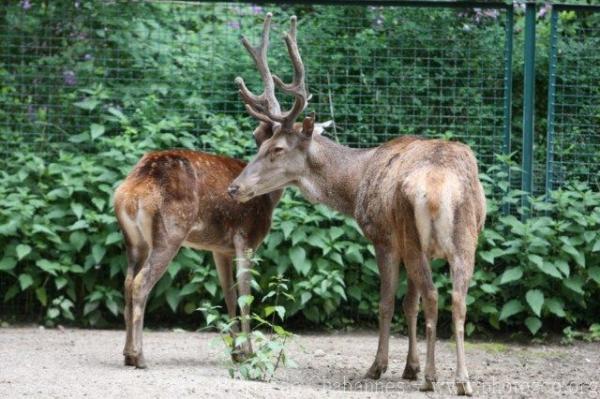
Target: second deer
x,y
179,198
415,199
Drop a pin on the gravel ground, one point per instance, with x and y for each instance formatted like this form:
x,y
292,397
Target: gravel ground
x,y
51,363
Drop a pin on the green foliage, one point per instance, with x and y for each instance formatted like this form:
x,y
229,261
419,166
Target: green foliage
x,y
268,349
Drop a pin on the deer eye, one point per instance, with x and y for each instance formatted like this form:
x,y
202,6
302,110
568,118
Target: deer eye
x,y
277,150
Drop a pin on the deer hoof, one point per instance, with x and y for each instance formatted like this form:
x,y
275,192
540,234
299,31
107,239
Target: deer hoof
x,y
410,372
464,388
376,370
129,360
238,356
427,385
140,362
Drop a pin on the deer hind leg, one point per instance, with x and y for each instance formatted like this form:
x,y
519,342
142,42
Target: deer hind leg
x,y
410,305
244,279
224,265
461,270
388,264
136,257
419,271
153,269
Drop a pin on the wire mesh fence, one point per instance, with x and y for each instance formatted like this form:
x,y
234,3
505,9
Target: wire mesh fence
x,y
376,71
573,150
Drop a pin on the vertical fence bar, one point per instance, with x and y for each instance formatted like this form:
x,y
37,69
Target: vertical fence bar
x,y
528,106
551,99
508,49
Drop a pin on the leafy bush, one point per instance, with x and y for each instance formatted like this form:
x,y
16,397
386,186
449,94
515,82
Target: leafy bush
x,y
64,257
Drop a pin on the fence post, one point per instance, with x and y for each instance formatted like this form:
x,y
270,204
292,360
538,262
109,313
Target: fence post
x,y
551,100
528,106
508,49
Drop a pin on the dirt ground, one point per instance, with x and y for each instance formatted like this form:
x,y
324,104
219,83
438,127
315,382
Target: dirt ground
x,y
50,363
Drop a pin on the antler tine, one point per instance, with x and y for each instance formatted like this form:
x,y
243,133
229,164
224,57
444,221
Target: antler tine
x,y
298,86
265,104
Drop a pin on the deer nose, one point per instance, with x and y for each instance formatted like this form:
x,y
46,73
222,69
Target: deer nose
x,y
233,190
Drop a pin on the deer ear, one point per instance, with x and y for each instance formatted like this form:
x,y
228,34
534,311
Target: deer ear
x,y
308,126
263,132
320,127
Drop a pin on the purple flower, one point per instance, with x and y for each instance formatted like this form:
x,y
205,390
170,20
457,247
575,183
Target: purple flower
x,y
88,57
69,78
234,25
77,4
25,4
543,11
257,9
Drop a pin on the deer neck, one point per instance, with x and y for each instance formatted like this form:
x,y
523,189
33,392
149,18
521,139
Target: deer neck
x,y
334,174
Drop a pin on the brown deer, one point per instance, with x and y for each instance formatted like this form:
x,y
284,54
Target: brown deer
x,y
414,198
179,198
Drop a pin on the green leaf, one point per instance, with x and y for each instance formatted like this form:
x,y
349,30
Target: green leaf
x,y
77,209
40,294
533,324
53,313
575,284
78,239
210,318
489,289
189,288
96,130
555,306
48,266
511,308
25,281
596,246
80,224
98,251
117,113
113,237
577,255
287,227
563,266
535,299
112,306
88,104
594,273
511,274
7,263
245,300
298,258
536,260
173,298
23,250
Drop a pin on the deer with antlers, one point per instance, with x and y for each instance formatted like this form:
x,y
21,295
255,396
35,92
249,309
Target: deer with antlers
x,y
415,199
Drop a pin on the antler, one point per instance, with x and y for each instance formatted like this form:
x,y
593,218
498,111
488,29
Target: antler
x,y
265,107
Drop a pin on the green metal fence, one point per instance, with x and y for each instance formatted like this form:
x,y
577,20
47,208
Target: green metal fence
x,y
573,136
378,69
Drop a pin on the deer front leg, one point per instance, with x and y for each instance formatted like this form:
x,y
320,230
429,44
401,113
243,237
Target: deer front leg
x,y
243,262
224,265
411,311
387,263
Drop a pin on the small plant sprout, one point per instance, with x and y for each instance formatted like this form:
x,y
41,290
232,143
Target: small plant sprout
x,y
268,336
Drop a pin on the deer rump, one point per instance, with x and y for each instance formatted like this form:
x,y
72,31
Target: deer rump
x,y
430,188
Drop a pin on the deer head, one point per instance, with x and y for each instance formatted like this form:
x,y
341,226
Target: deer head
x,y
282,157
